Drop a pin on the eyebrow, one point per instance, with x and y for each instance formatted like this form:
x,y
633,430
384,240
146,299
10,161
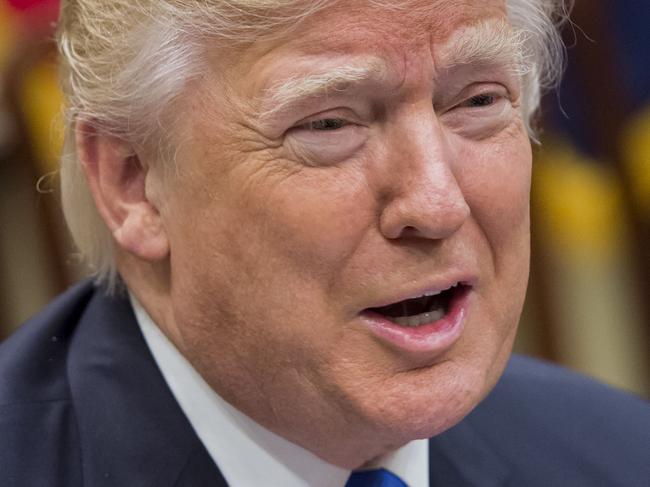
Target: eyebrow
x,y
288,92
486,43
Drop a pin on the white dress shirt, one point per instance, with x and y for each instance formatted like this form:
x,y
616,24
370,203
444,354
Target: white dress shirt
x,y
246,453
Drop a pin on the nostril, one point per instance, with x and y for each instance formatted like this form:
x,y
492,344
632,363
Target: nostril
x,y
409,231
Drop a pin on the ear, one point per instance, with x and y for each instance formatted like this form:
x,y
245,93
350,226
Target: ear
x,y
118,181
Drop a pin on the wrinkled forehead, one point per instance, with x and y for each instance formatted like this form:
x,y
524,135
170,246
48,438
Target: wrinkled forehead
x,y
412,19
340,24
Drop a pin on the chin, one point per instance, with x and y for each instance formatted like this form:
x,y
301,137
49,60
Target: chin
x,y
423,403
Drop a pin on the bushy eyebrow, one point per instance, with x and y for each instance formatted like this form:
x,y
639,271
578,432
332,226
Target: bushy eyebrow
x,y
288,92
492,43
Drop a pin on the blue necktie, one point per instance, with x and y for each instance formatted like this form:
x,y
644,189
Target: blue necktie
x,y
374,478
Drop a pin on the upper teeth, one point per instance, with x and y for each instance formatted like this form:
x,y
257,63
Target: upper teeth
x,y
435,293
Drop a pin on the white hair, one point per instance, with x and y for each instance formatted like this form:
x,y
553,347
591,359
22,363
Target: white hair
x,y
124,63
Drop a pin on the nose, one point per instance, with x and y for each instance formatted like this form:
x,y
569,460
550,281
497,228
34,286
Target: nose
x,y
423,198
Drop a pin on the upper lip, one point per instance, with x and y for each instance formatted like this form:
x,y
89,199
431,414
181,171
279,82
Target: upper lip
x,y
435,286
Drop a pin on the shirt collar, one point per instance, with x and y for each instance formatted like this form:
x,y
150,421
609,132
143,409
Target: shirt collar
x,y
247,453
410,463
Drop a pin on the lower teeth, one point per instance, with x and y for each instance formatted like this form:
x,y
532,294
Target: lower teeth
x,y
421,319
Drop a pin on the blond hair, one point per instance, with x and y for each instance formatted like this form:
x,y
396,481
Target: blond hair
x,y
125,62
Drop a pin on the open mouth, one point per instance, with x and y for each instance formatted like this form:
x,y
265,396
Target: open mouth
x,y
422,310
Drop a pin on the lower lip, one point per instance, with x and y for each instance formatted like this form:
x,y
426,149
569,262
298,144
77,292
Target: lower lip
x,y
432,338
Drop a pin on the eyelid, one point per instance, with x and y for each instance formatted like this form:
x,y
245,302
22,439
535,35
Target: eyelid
x,y
496,98
307,125
495,89
325,147
344,114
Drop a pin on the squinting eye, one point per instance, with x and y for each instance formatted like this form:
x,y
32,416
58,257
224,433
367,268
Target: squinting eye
x,y
479,101
326,124
327,140
481,112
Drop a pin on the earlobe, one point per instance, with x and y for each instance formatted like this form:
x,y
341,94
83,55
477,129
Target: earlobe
x,y
117,178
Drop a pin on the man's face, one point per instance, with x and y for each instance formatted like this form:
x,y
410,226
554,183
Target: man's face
x,y
328,181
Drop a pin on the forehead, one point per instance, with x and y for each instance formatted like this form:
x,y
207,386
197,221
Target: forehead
x,y
342,24
349,28
411,20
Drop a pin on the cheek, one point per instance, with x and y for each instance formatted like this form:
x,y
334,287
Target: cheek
x,y
282,238
496,185
315,220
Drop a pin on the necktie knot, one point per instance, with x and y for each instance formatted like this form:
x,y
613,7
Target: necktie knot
x,y
374,478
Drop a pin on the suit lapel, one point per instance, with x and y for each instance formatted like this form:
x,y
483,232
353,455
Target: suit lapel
x,y
461,458
132,431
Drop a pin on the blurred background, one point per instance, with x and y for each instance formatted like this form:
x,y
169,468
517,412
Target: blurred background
x,y
588,304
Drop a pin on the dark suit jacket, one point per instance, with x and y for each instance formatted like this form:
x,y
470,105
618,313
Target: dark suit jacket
x,y
82,403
